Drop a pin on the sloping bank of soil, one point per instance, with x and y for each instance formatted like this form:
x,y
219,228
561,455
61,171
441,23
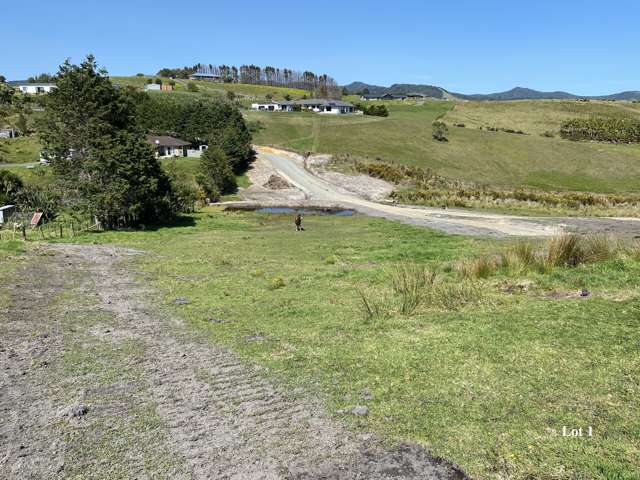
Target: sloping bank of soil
x,y
97,383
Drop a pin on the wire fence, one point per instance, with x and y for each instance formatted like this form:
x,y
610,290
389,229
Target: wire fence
x,y
46,231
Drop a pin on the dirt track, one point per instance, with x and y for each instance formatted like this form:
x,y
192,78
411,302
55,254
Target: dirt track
x,y
313,190
96,383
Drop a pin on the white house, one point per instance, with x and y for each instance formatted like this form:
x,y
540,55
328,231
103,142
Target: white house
x,y
321,105
152,86
327,106
36,88
168,146
273,106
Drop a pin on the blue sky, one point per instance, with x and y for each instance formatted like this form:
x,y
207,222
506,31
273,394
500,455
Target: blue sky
x,y
586,47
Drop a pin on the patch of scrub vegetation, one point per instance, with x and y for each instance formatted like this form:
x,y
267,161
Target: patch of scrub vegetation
x,y
485,371
614,130
472,155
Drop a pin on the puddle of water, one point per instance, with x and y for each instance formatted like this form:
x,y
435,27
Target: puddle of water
x,y
307,211
303,211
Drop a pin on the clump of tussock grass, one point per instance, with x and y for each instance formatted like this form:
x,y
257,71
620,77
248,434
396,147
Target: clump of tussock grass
x,y
563,250
412,283
452,296
600,247
482,267
519,257
373,306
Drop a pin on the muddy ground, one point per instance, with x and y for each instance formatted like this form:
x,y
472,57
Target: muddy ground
x,y
97,382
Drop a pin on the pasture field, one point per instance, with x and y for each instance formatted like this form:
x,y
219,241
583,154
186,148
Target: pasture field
x,y
486,378
486,157
206,88
535,117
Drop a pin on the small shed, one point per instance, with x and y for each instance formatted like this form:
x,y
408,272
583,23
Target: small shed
x,y
5,212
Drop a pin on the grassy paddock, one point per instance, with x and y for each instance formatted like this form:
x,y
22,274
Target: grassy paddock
x,y
486,157
487,376
213,88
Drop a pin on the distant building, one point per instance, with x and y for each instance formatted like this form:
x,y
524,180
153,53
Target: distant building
x,y
8,133
326,106
153,86
207,72
386,96
273,106
36,88
168,146
318,105
5,212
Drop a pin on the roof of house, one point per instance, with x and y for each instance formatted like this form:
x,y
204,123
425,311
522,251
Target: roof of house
x,y
324,102
166,141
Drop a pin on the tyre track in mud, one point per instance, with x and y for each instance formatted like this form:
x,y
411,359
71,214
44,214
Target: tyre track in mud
x,y
224,418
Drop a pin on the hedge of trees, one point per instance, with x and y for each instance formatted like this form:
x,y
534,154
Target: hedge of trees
x,y
602,129
198,122
218,124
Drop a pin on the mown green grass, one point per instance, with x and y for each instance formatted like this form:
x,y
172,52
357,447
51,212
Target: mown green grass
x,y
494,158
488,386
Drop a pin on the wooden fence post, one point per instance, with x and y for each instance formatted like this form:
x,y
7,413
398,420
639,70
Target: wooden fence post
x,y
60,230
73,230
24,233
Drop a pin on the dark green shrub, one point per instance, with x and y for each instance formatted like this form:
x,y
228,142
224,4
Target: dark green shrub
x,y
440,131
600,129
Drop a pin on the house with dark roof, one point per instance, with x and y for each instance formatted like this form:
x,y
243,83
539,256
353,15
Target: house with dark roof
x,y
167,146
273,106
386,96
327,106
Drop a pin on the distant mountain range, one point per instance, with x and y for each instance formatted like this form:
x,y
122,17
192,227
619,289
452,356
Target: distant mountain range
x,y
518,93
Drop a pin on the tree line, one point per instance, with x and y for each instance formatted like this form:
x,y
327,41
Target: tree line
x,y
323,85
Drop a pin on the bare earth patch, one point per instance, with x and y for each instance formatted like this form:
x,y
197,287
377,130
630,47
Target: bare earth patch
x,y
96,383
364,186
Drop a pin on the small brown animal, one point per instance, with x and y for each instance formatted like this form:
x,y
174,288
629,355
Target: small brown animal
x,y
298,222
